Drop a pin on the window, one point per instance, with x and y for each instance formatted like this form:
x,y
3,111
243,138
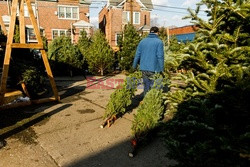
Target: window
x,y
31,36
136,18
68,12
118,38
26,12
58,33
126,17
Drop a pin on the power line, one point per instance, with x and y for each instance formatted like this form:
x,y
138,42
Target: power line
x,y
177,12
163,6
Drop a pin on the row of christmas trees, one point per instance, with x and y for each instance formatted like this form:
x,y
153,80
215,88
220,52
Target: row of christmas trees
x,y
209,113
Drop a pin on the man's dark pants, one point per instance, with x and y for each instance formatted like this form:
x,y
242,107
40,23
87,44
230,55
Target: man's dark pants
x,y
148,80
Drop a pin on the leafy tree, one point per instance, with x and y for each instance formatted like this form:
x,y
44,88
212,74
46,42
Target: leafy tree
x,y
129,44
211,126
63,51
100,56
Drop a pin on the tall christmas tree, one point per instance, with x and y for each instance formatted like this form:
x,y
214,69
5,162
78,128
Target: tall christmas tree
x,y
100,56
128,47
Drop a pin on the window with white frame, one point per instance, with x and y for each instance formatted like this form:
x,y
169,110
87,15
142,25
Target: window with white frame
x,y
126,17
31,36
59,32
68,12
136,17
26,12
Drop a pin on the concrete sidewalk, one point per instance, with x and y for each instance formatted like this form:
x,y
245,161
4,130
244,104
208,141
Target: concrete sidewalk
x,y
68,133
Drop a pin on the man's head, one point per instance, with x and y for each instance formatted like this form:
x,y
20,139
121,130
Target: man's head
x,y
154,30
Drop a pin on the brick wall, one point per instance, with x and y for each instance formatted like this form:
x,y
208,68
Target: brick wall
x,y
183,30
48,18
114,23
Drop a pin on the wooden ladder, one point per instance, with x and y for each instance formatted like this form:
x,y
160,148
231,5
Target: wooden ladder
x,y
10,45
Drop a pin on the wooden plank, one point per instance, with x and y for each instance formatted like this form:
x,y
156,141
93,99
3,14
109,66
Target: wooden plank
x,y
44,100
25,90
34,23
23,45
11,96
21,22
3,28
15,105
49,73
44,55
8,51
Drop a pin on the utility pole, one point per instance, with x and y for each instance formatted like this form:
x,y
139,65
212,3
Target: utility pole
x,y
168,36
131,12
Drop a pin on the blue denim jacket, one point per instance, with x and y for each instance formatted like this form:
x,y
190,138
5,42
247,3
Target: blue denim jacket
x,y
150,54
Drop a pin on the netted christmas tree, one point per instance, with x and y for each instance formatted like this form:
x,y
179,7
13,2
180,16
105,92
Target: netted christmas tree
x,y
121,98
211,124
149,114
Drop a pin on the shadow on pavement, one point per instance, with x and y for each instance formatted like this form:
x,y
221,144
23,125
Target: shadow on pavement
x,y
17,116
151,155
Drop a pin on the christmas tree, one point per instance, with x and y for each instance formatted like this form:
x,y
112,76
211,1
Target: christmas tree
x,y
121,98
211,119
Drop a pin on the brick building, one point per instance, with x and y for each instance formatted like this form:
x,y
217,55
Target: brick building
x,y
116,14
184,34
54,17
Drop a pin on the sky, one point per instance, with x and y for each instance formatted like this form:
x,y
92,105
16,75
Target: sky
x,y
165,13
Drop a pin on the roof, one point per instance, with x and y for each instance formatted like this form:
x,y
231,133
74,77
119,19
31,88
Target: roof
x,y
87,2
144,28
147,3
31,27
185,37
82,23
183,30
6,18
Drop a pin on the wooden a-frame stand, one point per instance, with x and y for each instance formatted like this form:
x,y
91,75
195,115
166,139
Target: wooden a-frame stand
x,y
10,45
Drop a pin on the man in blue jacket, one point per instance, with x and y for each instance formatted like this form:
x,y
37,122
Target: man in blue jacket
x,y
150,56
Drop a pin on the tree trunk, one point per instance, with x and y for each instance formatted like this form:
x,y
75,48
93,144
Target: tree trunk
x,y
101,71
